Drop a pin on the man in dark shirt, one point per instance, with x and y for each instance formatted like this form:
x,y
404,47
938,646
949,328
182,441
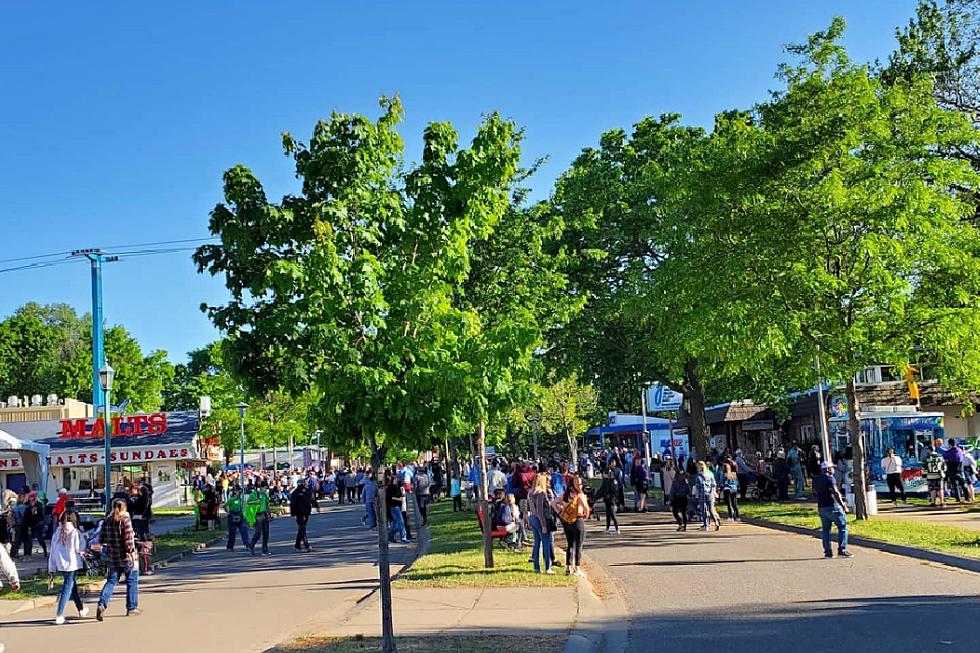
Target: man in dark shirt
x,y
832,511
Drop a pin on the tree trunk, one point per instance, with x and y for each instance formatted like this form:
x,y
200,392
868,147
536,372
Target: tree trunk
x,y
697,422
384,559
572,447
481,467
857,445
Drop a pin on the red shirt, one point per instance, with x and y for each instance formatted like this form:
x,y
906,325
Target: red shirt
x,y
59,506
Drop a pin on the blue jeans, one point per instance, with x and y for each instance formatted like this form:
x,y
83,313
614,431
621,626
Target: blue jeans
x,y
370,518
68,591
829,516
799,482
397,529
241,528
543,543
132,586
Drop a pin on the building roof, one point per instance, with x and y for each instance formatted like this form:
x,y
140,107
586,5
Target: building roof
x,y
181,429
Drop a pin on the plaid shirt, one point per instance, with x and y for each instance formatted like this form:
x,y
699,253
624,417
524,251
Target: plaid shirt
x,y
119,538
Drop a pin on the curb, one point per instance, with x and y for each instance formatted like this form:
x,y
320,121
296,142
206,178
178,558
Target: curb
x,y
591,632
52,600
948,559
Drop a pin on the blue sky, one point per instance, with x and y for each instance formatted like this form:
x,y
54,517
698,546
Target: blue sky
x,y
118,119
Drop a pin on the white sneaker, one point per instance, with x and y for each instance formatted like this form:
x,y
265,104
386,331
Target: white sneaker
x,y
617,531
83,613
59,620
580,573
607,531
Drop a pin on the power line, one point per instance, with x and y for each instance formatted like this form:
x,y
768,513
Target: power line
x,y
127,246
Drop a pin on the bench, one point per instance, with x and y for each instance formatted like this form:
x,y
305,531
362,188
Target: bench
x,y
498,534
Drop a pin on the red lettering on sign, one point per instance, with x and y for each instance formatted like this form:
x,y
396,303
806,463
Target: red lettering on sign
x,y
124,456
173,453
73,428
184,453
59,461
161,454
3,464
137,455
157,423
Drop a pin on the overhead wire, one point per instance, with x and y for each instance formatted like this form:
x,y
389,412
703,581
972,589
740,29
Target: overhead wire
x,y
127,251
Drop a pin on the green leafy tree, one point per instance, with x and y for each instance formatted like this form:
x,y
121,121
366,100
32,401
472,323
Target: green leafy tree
x,y
347,288
841,215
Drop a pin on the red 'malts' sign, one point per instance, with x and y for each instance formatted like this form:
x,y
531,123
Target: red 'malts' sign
x,y
129,425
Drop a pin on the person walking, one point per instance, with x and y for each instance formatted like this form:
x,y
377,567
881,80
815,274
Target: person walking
x,y
118,537
368,496
729,486
707,488
235,506
832,509
794,458
891,467
9,570
970,475
679,493
573,508
423,488
608,493
542,521
935,469
954,470
394,495
300,507
35,524
640,477
781,469
742,472
66,559
257,513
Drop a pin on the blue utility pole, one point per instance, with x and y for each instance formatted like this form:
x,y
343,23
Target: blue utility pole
x,y
96,258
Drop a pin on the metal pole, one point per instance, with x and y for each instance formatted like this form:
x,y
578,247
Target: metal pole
x,y
98,343
108,451
241,469
646,433
824,436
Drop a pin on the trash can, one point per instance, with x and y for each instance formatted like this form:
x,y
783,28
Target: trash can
x,y
871,498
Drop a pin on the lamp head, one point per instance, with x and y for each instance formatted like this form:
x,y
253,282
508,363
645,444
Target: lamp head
x,y
106,376
241,409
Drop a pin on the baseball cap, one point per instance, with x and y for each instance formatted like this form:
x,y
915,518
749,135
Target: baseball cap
x,y
63,491
825,465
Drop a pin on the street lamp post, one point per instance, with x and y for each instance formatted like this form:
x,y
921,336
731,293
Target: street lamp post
x,y
535,420
319,453
241,466
106,377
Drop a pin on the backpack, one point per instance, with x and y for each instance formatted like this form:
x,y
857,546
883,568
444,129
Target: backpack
x,y
569,512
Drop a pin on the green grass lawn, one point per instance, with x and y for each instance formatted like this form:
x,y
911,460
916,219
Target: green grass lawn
x,y
167,545
935,537
455,558
172,511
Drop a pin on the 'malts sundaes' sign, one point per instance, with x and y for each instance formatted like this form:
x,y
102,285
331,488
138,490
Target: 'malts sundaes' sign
x,y
96,457
129,425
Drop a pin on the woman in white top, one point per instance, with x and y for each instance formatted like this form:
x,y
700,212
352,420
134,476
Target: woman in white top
x,y
66,557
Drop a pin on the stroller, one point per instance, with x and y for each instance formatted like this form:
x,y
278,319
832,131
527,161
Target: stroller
x,y
593,498
95,555
763,487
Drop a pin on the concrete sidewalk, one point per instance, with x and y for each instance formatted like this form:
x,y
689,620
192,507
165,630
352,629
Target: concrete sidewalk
x,y
37,564
466,611
228,601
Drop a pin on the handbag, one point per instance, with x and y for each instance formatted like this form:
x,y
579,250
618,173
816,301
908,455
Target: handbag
x,y
569,512
551,521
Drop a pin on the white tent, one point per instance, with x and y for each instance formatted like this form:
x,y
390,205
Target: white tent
x,y
33,455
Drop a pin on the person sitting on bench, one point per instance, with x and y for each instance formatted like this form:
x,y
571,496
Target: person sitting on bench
x,y
507,515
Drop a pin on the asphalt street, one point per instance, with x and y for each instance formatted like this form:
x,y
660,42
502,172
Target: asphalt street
x,y
749,589
227,601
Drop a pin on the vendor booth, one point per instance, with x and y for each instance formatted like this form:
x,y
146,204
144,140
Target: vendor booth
x,y
165,449
32,459
909,432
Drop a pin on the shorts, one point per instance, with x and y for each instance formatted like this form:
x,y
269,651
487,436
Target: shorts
x,y
935,484
642,487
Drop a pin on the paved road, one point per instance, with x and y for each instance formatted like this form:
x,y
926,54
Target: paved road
x,y
227,601
749,589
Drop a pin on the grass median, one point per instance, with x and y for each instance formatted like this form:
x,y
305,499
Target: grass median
x,y
427,644
455,558
906,532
